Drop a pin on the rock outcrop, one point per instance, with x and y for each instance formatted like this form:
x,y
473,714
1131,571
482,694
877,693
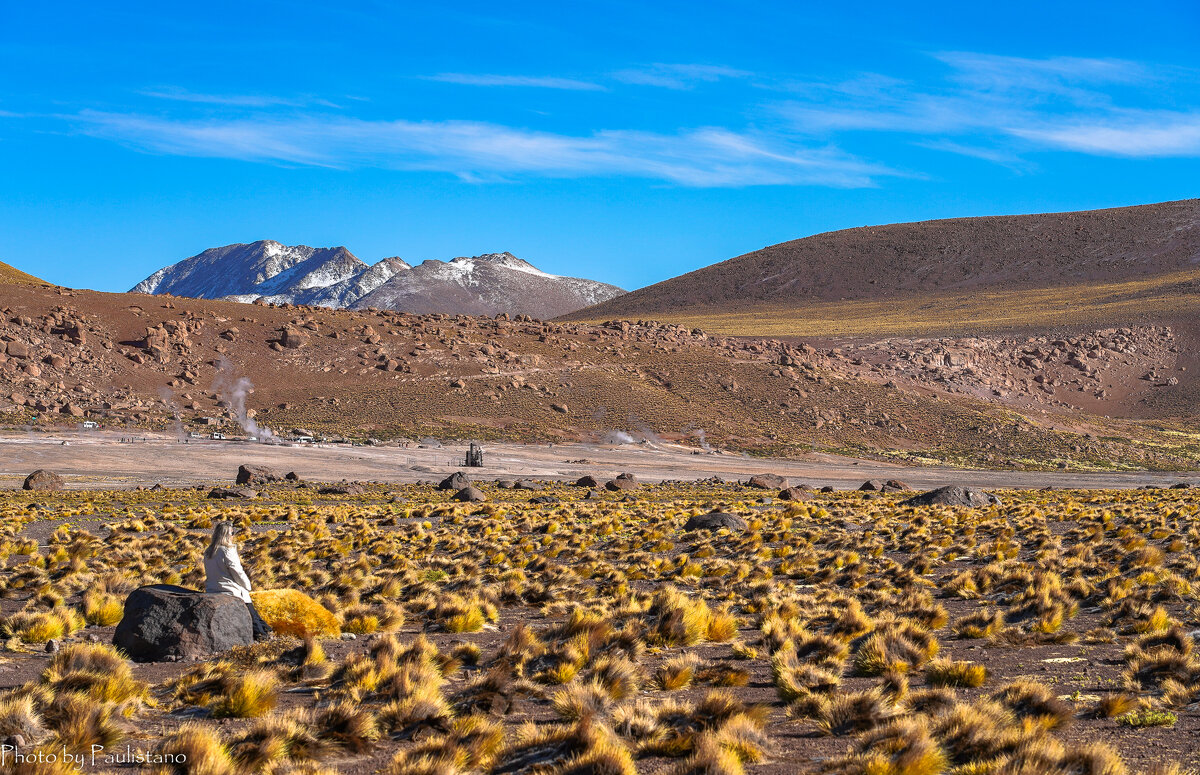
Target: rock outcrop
x,y
42,479
715,521
954,495
168,623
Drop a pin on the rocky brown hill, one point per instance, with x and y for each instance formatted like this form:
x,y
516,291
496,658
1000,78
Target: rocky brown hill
x,y
904,260
134,361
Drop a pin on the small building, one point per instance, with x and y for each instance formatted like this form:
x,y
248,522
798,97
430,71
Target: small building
x,y
474,456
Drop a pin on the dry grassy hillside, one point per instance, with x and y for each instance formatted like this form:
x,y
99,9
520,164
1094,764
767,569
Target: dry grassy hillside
x,y
12,276
963,275
127,359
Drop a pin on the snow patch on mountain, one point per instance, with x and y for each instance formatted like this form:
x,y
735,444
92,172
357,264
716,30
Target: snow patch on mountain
x,y
334,277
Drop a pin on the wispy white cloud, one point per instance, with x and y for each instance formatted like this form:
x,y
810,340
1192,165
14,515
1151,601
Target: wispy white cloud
x,y
678,76
1057,103
703,157
1140,134
530,81
235,100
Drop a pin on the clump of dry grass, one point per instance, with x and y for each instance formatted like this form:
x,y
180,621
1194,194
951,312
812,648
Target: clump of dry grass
x,y
946,672
194,748
677,672
1036,702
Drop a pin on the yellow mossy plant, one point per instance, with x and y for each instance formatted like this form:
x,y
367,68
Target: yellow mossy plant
x,y
291,612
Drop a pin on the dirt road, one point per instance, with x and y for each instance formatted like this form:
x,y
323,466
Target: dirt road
x,y
103,460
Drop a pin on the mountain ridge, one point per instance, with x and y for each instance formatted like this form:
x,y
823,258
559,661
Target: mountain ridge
x,y
334,277
945,256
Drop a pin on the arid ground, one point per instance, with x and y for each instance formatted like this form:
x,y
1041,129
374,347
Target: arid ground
x,y
556,628
102,459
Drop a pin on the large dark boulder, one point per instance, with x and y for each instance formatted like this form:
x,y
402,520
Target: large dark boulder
x,y
767,482
168,623
954,495
621,484
42,479
341,489
715,521
470,495
251,474
588,481
895,485
871,485
795,494
232,493
455,481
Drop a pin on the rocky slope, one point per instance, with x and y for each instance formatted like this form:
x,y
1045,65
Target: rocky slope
x,y
955,255
1110,398
334,277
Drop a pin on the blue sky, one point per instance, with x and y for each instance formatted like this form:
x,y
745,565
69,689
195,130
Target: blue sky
x,y
628,142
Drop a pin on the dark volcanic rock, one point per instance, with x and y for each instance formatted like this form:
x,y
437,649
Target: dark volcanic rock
x,y
341,489
587,481
544,500
232,493
795,494
164,621
455,481
895,485
620,484
871,485
470,495
829,488
715,521
954,496
251,474
525,484
42,479
767,482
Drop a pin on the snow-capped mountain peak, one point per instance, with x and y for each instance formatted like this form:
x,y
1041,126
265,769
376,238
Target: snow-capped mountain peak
x,y
334,277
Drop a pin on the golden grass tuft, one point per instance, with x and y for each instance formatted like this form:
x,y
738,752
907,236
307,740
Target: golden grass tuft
x,y
247,695
291,612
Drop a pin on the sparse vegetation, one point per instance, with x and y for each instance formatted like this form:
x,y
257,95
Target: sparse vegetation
x,y
474,618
